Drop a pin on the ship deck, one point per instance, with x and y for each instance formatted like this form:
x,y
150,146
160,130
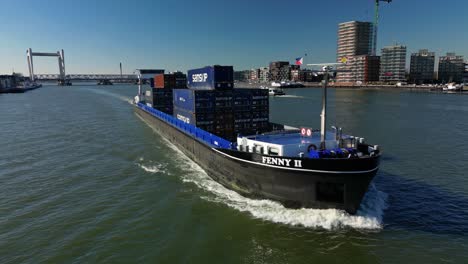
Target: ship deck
x,y
290,138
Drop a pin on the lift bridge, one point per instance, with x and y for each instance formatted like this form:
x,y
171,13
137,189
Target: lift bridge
x,y
86,77
65,79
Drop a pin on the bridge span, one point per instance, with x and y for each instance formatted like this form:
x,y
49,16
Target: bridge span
x,y
87,77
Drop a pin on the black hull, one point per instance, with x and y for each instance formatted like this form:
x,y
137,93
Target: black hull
x,y
324,183
19,90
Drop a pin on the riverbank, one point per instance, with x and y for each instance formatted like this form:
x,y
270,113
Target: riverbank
x,y
423,88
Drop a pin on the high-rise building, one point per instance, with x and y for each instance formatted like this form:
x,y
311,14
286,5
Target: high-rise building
x,y
363,68
254,74
393,63
354,38
264,75
451,68
355,47
241,75
422,67
279,70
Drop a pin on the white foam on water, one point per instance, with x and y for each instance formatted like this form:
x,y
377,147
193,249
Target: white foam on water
x,y
369,216
290,96
153,168
118,96
149,168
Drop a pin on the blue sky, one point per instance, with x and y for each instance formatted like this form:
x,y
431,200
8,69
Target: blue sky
x,y
97,35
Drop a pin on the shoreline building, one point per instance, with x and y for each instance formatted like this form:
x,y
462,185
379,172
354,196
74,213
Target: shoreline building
x,y
279,70
294,72
422,67
306,75
254,74
241,76
355,47
363,68
264,75
451,68
465,74
393,63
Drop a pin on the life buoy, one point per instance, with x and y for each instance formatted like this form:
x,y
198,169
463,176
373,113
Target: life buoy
x,y
311,147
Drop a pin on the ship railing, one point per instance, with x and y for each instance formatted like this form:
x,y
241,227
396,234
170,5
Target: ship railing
x,y
189,129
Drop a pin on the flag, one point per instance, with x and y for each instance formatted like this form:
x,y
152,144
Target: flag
x,y
299,61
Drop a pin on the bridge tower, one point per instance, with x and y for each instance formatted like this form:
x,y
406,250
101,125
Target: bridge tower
x,y
61,62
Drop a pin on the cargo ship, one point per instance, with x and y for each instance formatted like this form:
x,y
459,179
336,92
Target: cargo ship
x,y
227,132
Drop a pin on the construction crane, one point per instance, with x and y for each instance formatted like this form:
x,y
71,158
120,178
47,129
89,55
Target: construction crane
x,y
376,22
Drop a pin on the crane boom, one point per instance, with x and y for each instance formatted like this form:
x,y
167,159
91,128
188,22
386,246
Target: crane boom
x,y
376,22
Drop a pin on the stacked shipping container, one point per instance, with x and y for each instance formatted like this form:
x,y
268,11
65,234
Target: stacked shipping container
x,y
160,99
211,78
170,81
211,103
180,80
224,113
195,107
251,111
161,96
162,81
209,110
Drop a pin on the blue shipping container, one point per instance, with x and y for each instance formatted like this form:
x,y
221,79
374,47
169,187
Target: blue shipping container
x,y
192,118
194,100
211,78
184,116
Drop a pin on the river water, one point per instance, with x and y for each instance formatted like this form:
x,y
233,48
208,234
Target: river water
x,y
83,179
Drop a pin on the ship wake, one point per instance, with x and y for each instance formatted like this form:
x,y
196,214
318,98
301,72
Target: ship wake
x,y
290,96
107,93
369,216
151,166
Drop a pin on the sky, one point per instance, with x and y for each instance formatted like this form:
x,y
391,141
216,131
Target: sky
x,y
97,35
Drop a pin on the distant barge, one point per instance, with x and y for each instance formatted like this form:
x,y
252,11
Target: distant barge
x,y
16,84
